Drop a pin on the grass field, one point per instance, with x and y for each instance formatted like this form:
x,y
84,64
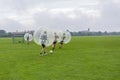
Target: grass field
x,y
84,58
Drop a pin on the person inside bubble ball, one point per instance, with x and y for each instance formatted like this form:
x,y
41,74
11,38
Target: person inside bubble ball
x,y
54,42
43,42
28,39
62,41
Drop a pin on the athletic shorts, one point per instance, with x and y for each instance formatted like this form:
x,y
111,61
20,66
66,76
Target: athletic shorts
x,y
61,42
54,42
43,45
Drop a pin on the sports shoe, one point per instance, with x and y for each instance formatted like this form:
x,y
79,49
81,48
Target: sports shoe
x,y
45,54
41,54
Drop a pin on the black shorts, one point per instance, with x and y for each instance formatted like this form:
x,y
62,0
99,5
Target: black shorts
x,y
54,42
61,42
43,45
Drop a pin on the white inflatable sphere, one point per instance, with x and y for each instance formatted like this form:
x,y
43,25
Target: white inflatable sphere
x,y
28,37
67,36
39,33
59,33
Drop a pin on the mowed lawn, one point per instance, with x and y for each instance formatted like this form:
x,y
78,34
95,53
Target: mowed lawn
x,y
84,58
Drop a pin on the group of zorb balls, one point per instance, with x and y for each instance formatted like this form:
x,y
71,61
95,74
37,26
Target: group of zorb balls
x,y
46,37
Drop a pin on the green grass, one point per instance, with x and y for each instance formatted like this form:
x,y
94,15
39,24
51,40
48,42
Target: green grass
x,y
84,58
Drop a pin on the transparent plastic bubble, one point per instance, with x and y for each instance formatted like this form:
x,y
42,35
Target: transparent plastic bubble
x,y
39,39
59,35
65,34
28,37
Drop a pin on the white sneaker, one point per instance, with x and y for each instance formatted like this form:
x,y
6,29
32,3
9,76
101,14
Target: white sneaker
x,y
41,54
45,54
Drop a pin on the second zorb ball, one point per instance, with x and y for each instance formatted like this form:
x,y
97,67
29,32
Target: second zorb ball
x,y
28,37
43,36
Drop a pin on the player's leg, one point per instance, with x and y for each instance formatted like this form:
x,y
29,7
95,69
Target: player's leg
x,y
61,43
53,46
42,50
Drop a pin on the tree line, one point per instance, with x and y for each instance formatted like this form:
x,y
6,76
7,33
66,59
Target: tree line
x,y
3,33
93,33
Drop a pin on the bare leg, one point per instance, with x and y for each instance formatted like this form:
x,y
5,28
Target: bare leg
x,y
60,45
53,47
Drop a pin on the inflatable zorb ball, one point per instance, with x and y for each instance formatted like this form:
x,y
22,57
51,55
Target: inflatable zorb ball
x,y
28,37
67,36
38,37
59,33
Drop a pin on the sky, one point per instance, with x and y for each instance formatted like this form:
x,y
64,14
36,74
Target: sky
x,y
74,15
